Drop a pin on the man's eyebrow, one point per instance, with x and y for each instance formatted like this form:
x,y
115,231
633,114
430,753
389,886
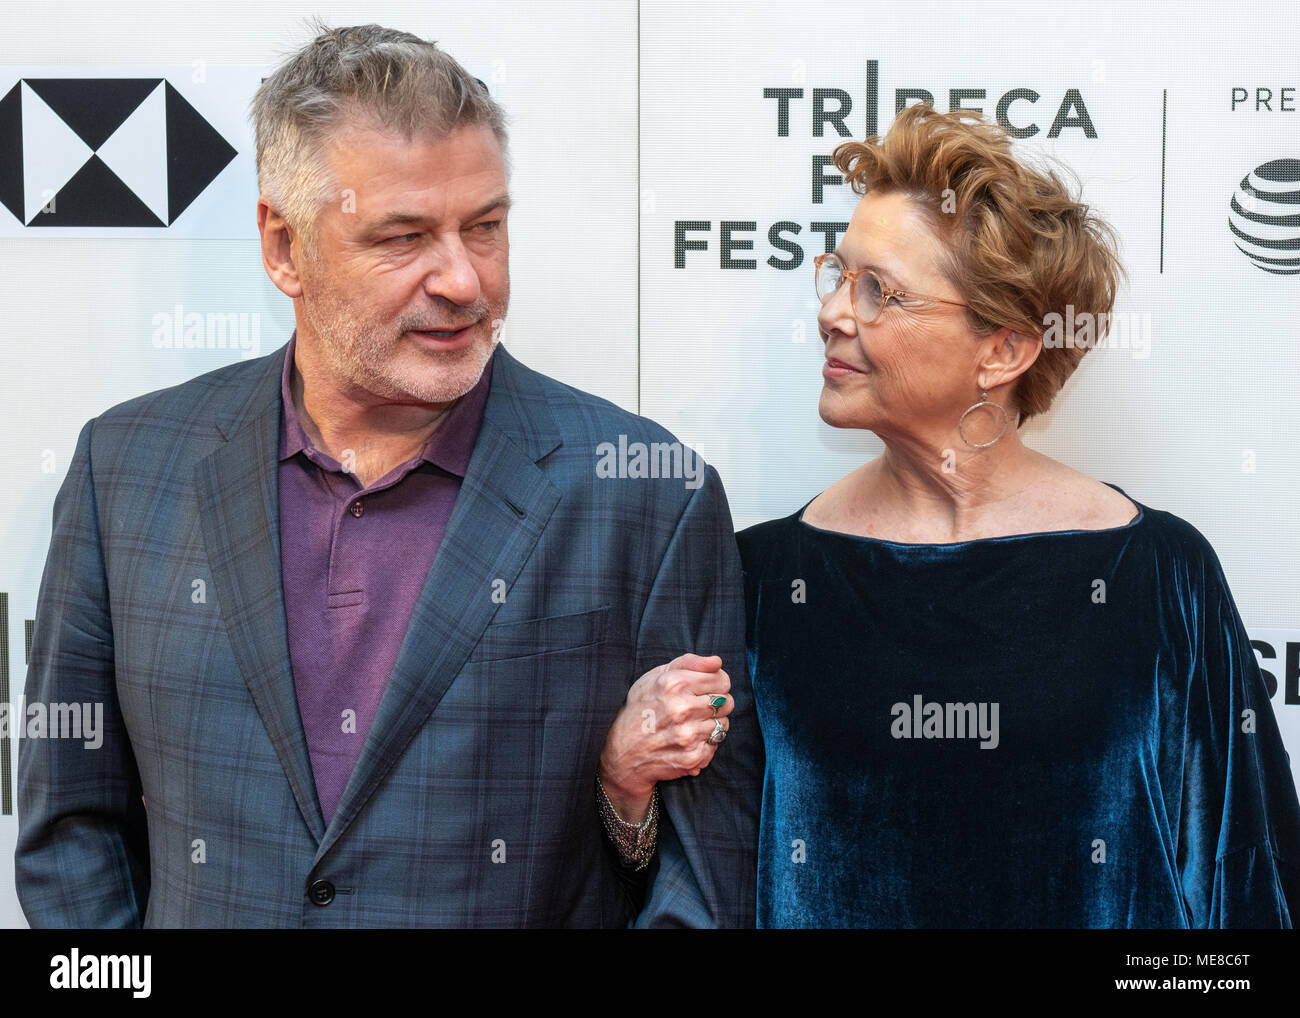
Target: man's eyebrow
x,y
501,201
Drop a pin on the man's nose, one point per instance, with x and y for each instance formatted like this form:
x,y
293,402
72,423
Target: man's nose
x,y
452,274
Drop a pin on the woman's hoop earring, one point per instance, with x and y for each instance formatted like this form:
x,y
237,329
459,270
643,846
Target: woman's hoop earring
x,y
984,401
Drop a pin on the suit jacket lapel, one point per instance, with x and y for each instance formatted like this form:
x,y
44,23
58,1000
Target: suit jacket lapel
x,y
239,507
504,504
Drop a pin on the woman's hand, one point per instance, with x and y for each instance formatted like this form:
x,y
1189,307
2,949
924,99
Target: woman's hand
x,y
662,731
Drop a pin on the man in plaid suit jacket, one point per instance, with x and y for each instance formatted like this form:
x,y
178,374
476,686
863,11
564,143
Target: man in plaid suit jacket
x,y
469,798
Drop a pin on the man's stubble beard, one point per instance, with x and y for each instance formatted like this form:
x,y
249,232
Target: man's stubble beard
x,y
361,354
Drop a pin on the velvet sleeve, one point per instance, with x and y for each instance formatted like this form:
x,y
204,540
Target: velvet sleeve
x,y
1239,835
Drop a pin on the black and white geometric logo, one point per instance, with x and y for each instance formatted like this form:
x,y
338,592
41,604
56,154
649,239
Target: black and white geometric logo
x,y
1265,217
104,152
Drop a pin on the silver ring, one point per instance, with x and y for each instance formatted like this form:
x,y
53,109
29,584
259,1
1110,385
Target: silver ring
x,y
718,734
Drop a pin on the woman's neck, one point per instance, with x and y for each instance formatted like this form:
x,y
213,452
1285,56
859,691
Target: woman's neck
x,y
921,493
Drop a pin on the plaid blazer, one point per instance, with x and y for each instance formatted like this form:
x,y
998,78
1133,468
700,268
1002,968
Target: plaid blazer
x,y
472,803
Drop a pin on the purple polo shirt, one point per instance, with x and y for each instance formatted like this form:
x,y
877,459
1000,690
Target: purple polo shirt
x,y
354,561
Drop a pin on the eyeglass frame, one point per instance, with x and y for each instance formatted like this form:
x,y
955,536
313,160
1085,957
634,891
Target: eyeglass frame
x,y
853,275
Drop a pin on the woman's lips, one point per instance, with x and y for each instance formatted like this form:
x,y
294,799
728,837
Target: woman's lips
x,y
838,369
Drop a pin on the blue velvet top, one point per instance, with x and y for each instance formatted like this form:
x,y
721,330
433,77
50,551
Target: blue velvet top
x,y
1061,729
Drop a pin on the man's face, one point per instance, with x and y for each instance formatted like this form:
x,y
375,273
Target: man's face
x,y
411,277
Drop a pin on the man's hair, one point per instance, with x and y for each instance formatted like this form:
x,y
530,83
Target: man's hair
x,y
366,74
1020,246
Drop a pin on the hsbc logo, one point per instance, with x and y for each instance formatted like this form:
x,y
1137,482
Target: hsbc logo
x,y
104,152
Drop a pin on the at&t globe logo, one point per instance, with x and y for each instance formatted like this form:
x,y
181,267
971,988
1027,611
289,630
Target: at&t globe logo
x,y
1265,216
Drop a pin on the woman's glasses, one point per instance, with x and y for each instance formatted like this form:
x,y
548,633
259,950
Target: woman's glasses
x,y
867,292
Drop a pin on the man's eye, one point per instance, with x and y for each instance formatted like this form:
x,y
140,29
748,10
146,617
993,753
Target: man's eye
x,y
403,238
488,226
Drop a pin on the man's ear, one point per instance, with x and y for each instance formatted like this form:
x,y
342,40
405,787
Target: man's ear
x,y
1006,356
279,251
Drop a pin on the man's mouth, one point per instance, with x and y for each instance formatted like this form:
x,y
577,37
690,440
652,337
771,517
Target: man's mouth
x,y
446,340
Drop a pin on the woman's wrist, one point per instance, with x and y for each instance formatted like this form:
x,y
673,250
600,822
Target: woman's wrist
x,y
635,841
629,798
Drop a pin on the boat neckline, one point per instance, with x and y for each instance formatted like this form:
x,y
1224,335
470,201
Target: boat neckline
x,y
1130,525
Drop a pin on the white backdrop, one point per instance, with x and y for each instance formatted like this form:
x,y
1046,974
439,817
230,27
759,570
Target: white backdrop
x,y
630,120
1198,415
79,328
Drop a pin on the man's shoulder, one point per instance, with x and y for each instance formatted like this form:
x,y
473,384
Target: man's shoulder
x,y
594,441
582,415
166,431
201,400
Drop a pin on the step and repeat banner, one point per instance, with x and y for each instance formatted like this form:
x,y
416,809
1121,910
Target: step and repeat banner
x,y
1181,124
672,183
139,146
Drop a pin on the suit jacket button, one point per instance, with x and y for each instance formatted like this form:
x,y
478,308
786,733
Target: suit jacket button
x,y
321,892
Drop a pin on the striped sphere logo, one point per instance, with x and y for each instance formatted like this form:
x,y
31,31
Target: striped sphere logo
x,y
1265,216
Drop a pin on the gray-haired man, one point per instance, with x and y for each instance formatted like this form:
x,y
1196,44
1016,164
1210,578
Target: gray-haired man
x,y
424,608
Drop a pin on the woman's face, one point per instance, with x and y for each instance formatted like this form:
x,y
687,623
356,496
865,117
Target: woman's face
x,y
914,369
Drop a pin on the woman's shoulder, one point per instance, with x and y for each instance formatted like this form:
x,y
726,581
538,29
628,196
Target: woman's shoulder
x,y
1180,541
758,541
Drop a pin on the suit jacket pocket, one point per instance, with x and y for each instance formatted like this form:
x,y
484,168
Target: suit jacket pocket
x,y
543,636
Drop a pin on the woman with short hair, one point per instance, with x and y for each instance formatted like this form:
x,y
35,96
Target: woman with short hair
x,y
993,691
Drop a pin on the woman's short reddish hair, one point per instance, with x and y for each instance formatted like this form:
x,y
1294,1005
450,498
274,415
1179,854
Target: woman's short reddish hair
x,y
1020,246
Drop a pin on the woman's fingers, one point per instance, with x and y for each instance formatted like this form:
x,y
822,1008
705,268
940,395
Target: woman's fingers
x,y
671,714
700,755
717,705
